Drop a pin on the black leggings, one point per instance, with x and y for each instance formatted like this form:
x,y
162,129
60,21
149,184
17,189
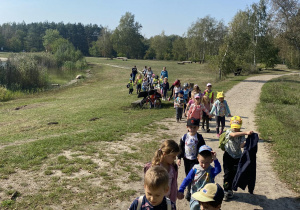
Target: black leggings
x,y
218,121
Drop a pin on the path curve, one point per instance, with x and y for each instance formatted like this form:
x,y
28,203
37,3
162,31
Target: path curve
x,y
269,193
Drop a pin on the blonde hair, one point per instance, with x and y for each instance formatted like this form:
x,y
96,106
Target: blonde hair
x,y
166,148
155,177
205,99
196,89
139,76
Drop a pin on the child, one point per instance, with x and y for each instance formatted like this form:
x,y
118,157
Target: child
x,y
165,157
191,101
185,95
176,89
177,82
165,87
178,104
138,83
196,110
233,153
145,71
164,72
201,173
205,117
220,109
210,196
210,94
156,186
130,86
145,84
149,73
189,147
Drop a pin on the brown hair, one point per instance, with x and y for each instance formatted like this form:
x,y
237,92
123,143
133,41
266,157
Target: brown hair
x,y
155,177
167,147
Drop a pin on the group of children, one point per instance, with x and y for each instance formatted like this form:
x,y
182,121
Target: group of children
x,y
160,181
147,80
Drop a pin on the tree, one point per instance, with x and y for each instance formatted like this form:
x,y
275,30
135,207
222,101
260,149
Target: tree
x,y
49,39
126,38
204,38
179,49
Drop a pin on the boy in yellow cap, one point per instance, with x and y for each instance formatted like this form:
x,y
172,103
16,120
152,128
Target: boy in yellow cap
x,y
233,152
220,109
210,196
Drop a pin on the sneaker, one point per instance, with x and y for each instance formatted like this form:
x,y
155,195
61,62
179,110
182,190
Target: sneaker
x,y
203,128
178,120
230,194
207,131
225,196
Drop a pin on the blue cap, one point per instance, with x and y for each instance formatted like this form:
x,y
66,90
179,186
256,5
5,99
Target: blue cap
x,y
204,147
181,92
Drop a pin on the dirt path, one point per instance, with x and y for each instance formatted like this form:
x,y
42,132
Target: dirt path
x,y
269,192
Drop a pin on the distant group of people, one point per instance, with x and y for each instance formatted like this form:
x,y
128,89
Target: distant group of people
x,y
146,80
160,181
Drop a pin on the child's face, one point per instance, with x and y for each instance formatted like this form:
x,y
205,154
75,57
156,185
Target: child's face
x,y
221,99
206,206
169,158
236,129
165,80
204,162
209,87
155,196
192,129
180,95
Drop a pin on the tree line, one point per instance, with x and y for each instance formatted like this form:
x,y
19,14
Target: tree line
x,y
265,33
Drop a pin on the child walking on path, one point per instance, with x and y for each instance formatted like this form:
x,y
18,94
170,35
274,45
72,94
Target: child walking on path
x,y
235,141
205,117
138,83
220,109
165,156
196,110
210,94
155,186
179,103
201,174
189,147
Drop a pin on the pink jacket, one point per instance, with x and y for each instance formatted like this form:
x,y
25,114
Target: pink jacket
x,y
196,111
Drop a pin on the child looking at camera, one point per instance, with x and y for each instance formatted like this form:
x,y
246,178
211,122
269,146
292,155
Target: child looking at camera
x,y
156,186
201,174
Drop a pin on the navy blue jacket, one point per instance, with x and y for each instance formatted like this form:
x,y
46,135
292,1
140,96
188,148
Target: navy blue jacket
x,y
246,171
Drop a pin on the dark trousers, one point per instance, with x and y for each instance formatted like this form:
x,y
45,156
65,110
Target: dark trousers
x,y
138,88
130,91
188,165
179,113
230,165
205,119
218,121
133,76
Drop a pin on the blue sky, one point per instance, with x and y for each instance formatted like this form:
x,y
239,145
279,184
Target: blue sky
x,y
170,16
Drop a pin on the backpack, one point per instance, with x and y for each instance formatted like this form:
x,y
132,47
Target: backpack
x,y
141,200
223,141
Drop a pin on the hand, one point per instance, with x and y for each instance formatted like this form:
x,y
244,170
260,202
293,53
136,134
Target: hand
x,y
214,155
229,115
180,195
249,132
178,162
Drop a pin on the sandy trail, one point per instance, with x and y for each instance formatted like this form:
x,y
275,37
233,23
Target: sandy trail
x,y
269,192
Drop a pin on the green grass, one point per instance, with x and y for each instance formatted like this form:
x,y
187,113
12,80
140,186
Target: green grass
x,y
61,152
279,123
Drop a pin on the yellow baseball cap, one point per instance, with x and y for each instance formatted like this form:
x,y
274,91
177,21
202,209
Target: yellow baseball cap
x,y
236,122
210,192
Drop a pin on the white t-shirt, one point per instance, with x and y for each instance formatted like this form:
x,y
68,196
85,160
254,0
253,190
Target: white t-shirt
x,y
190,148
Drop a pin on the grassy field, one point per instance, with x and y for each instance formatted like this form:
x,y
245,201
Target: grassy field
x,y
279,123
51,146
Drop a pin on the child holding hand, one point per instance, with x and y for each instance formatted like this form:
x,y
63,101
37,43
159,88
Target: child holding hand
x,y
189,147
165,156
201,174
196,110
